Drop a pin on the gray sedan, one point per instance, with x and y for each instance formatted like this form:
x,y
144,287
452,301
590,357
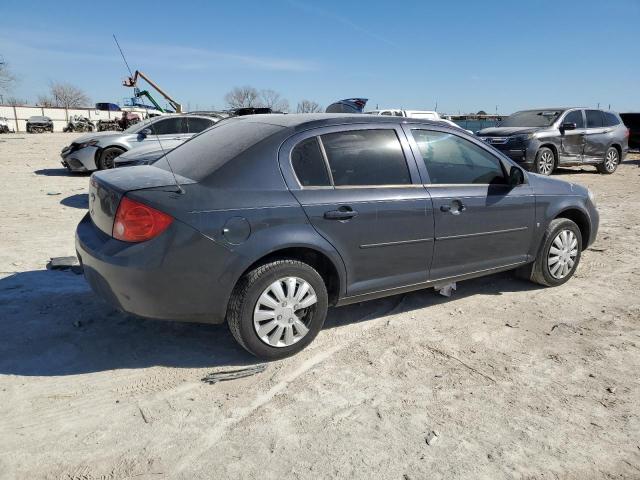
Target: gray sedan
x,y
265,221
97,151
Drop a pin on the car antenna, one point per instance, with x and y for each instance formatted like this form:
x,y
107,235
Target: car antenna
x,y
146,107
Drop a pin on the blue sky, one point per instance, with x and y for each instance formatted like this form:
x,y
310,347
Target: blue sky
x,y
465,56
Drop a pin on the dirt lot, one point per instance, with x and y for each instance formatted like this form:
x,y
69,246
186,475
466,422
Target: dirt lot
x,y
518,381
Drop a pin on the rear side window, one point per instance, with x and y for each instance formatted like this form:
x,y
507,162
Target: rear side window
x,y
366,157
196,125
594,119
575,117
453,160
610,119
308,163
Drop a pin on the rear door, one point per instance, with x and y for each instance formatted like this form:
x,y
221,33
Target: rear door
x,y
481,222
596,142
360,189
572,141
167,128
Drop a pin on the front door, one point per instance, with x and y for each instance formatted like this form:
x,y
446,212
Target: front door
x,y
596,136
363,196
481,222
572,141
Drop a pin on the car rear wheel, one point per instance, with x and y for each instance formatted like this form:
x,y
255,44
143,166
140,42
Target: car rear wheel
x,y
545,161
611,161
277,309
558,256
108,156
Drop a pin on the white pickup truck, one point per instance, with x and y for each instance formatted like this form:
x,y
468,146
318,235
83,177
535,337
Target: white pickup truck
x,y
423,114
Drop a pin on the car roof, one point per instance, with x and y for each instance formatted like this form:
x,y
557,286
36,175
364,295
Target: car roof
x,y
308,120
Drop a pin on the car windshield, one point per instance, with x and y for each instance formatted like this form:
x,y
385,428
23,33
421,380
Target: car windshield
x,y
531,118
136,127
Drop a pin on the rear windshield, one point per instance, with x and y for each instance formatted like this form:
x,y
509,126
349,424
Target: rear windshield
x,y
205,153
531,118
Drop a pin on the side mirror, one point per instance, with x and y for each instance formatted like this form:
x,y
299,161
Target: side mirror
x,y
516,177
568,126
145,132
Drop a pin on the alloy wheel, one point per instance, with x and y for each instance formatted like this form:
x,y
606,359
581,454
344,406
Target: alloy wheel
x,y
283,311
109,158
562,254
545,163
611,160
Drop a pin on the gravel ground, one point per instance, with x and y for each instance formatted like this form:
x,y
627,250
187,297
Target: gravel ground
x,y
517,381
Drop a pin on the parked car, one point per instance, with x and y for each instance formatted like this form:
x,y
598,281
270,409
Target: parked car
x,y
38,124
421,114
266,221
542,140
4,125
349,105
98,150
78,123
632,122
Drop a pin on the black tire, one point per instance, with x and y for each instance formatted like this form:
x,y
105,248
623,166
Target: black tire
x,y
539,271
249,289
610,162
107,157
545,162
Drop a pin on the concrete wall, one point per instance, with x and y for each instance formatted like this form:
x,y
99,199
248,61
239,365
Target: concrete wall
x,y
17,116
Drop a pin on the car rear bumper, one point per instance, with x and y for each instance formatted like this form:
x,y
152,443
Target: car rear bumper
x,y
171,277
82,160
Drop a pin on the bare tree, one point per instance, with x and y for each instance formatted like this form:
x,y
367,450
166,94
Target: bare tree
x,y
272,99
308,106
68,96
7,79
45,101
16,102
242,97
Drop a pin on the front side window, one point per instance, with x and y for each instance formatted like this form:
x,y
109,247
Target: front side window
x,y
575,117
366,157
308,163
594,119
167,126
454,160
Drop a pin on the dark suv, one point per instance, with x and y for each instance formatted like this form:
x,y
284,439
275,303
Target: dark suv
x,y
542,140
266,220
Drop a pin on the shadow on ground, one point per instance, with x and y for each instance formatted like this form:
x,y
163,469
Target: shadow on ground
x,y
57,172
79,200
52,324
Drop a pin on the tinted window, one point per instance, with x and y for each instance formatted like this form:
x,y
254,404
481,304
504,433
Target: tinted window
x,y
594,118
610,119
575,117
366,157
308,163
167,126
451,159
196,125
531,118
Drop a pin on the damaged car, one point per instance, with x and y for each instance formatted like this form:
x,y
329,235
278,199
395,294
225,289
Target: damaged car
x,y
266,221
98,150
39,124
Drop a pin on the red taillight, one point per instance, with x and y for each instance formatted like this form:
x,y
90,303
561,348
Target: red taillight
x,y
137,222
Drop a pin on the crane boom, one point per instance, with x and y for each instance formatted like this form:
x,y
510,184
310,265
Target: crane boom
x,y
132,82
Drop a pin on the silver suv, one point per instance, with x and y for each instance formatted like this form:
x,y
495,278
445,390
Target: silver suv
x,y
542,140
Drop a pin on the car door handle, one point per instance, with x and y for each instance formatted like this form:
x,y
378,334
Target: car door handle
x,y
343,213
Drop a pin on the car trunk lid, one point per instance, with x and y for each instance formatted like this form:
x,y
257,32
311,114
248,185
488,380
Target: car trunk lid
x,y
107,188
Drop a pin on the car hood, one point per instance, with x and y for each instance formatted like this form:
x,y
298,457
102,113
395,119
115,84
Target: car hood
x,y
507,131
98,136
552,186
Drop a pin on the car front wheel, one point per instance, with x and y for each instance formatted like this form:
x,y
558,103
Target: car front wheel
x,y
108,156
611,161
545,161
277,309
558,255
